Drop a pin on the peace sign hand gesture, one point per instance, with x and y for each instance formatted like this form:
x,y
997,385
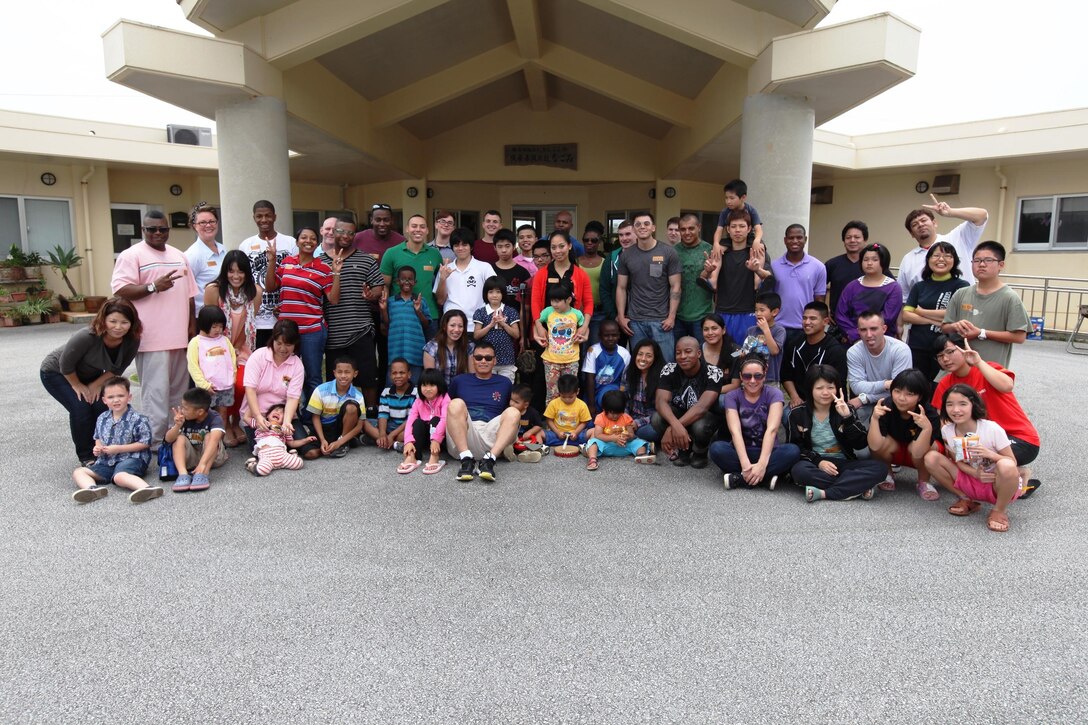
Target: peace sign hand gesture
x,y
971,356
880,409
920,417
938,207
841,406
337,260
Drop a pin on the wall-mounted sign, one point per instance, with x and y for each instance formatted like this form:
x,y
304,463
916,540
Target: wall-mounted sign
x,y
559,155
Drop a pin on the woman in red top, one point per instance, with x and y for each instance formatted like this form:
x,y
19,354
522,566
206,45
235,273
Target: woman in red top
x,y
563,267
305,282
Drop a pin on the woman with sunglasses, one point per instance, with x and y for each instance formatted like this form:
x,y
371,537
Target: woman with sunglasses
x,y
591,263
927,302
751,455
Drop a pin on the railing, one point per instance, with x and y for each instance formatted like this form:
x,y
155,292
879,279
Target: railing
x,y
1056,299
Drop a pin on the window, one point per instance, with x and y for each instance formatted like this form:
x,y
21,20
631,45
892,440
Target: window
x,y
35,224
1052,222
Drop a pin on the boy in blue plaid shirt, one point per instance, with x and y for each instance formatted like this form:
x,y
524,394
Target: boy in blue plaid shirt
x,y
122,443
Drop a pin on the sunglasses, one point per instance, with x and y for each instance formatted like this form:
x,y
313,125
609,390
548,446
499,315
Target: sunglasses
x,y
156,230
483,358
752,376
381,206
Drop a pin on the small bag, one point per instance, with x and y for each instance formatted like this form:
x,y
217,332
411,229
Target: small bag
x,y
167,470
526,363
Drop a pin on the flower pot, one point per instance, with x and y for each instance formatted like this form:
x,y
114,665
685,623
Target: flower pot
x,y
77,305
10,322
11,274
32,272
45,295
18,296
33,320
94,302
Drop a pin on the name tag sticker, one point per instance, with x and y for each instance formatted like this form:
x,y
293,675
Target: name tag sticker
x,y
213,263
657,259
428,268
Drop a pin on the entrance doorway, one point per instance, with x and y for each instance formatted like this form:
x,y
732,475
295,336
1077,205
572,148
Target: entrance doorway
x,y
542,217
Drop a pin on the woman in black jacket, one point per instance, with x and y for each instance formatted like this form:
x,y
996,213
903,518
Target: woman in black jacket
x,y
827,432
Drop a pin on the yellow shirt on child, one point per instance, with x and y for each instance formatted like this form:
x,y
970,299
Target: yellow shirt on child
x,y
567,417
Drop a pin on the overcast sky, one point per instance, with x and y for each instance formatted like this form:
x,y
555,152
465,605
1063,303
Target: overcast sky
x,y
979,59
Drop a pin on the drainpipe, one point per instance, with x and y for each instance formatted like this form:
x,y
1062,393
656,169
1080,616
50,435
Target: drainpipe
x,y
1004,188
87,228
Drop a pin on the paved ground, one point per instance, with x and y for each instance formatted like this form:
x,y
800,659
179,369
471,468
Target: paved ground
x,y
345,591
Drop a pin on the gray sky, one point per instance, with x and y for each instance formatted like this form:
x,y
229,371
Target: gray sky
x,y
979,59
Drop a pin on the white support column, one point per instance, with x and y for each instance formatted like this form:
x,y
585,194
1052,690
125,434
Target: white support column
x,y
776,163
252,139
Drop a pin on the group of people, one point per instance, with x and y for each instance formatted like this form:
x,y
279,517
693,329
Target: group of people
x,y
306,346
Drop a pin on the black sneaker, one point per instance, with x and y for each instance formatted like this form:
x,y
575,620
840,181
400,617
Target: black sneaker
x,y
1030,487
699,460
487,469
732,480
468,470
683,458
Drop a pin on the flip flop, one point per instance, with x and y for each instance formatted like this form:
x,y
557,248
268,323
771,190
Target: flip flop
x,y
408,467
964,507
998,522
928,492
593,464
434,467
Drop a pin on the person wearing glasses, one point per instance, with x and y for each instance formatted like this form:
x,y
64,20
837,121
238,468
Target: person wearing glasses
x,y
480,422
592,263
205,255
380,236
988,313
155,278
444,224
927,302
921,224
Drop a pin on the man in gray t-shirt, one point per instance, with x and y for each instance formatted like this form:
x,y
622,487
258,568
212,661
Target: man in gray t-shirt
x,y
648,288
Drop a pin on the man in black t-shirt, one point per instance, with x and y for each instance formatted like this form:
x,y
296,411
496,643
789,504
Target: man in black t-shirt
x,y
687,416
815,348
845,268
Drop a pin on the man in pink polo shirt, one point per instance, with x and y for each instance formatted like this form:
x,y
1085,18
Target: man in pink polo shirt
x,y
155,277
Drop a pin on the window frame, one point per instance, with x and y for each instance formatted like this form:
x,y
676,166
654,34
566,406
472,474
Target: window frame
x,y
24,240
1055,216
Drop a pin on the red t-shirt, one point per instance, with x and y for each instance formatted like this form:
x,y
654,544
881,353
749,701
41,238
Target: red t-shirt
x,y
485,251
367,241
1002,408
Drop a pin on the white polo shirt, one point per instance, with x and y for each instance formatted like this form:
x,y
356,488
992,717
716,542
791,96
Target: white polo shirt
x,y
963,238
254,247
204,264
465,288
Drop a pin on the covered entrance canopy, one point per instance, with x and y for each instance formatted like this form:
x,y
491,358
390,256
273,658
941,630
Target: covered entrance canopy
x,y
433,90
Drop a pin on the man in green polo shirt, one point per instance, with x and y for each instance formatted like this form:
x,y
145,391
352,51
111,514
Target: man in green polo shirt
x,y
696,302
413,252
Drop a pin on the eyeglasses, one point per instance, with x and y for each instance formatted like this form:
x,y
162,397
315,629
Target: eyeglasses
x,y
381,206
591,240
643,224
341,230
944,354
986,260
210,223
445,222
542,257
156,230
752,376
483,358
941,255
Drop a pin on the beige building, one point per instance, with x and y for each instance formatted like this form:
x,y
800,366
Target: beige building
x,y
600,107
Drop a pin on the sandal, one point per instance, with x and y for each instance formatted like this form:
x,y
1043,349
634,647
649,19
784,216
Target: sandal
x,y
408,466
927,491
593,464
434,467
888,484
251,466
964,507
998,521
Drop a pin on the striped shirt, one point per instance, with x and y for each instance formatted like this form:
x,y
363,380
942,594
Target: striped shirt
x,y
352,317
395,406
302,289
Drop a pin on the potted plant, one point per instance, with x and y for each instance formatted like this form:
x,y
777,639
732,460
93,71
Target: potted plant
x,y
63,260
11,271
36,292
29,312
18,295
39,310
94,302
77,303
5,295
32,265
8,318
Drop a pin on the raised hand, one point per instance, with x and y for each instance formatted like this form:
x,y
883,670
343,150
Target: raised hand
x,y
880,409
841,406
971,356
920,417
179,419
166,281
940,208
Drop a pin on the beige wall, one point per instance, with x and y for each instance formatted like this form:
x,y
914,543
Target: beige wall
x,y
883,201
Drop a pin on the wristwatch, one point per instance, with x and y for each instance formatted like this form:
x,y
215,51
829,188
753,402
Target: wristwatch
x,y
151,289
863,398
982,334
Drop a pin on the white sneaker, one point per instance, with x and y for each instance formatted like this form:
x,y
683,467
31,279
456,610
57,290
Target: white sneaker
x,y
772,483
145,494
86,495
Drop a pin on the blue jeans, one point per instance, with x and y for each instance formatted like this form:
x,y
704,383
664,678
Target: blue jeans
x,y
312,351
689,328
643,329
81,415
551,438
783,456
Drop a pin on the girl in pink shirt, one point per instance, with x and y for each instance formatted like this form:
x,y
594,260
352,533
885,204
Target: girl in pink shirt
x,y
212,359
426,425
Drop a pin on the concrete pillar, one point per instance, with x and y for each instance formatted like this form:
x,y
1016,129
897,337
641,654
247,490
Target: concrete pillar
x,y
776,163
252,140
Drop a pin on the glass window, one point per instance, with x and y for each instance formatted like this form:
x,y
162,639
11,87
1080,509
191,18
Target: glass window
x,y
1035,215
1072,222
48,223
10,228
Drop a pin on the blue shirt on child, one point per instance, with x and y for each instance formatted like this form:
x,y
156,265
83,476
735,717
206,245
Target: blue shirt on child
x,y
131,427
406,338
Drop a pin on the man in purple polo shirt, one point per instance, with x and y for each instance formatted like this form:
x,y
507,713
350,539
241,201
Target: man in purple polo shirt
x,y
799,279
381,235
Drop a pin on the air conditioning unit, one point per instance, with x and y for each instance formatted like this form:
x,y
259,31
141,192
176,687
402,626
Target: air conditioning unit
x,y
189,135
947,184
822,195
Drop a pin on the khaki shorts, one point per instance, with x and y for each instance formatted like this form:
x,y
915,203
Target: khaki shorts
x,y
193,454
480,437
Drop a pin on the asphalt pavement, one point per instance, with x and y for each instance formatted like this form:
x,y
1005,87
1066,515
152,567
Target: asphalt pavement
x,y
632,594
